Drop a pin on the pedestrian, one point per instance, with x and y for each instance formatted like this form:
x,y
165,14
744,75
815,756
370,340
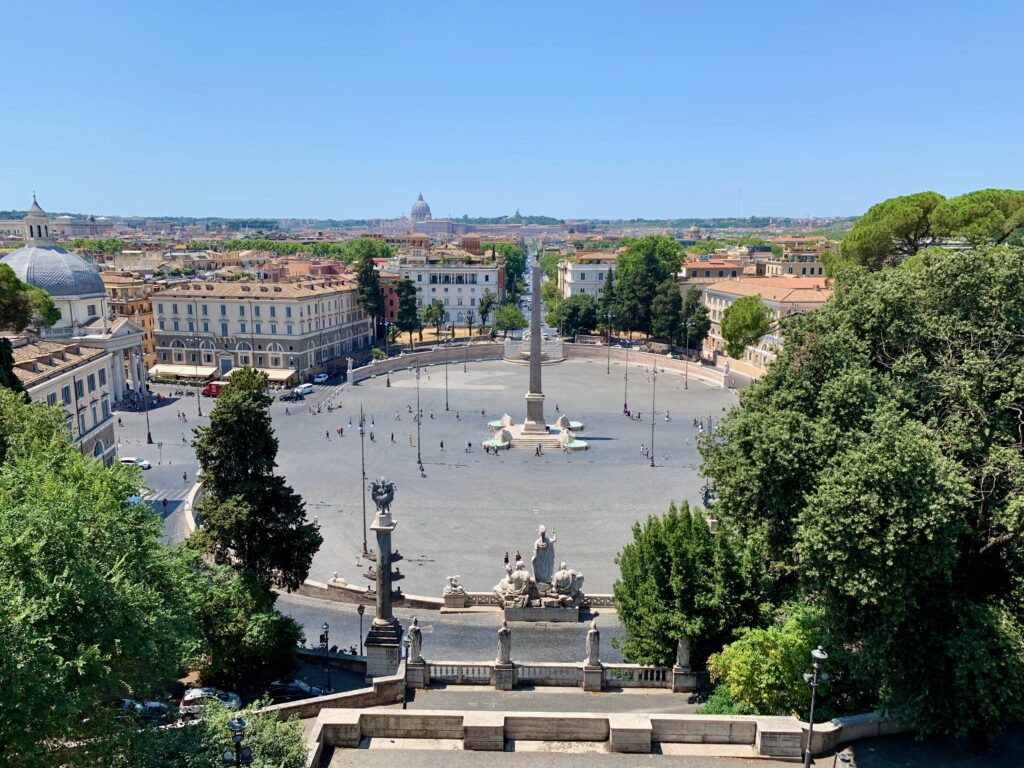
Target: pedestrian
x,y
643,448
372,438
286,411
483,413
431,414
183,440
457,416
410,441
350,422
557,409
442,445
165,512
668,417
184,477
119,421
518,557
392,437
327,434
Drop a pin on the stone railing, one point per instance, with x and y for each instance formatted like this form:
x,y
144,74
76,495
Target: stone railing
x,y
519,351
601,354
636,676
460,672
384,690
549,674
191,502
476,599
454,354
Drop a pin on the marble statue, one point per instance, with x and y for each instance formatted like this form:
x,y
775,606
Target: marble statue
x,y
683,652
563,422
504,644
544,556
415,642
516,587
453,587
593,645
568,585
383,493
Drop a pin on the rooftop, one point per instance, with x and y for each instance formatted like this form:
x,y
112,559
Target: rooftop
x,y
783,290
253,290
37,360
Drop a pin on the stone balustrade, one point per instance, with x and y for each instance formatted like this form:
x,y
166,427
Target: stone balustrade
x,y
455,354
460,672
636,676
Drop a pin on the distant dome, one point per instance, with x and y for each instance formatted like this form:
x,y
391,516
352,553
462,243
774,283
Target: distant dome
x,y
420,209
60,273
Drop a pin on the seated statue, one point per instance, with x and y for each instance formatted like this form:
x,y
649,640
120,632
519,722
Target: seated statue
x,y
453,587
515,588
568,585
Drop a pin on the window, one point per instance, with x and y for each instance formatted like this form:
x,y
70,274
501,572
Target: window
x,y
174,309
161,324
175,323
103,377
273,311
223,329
256,311
206,327
160,309
241,310
259,328
241,328
273,328
90,310
487,278
91,378
288,312
223,310
191,327
206,310
188,309
51,399
419,278
289,329
81,424
65,395
106,408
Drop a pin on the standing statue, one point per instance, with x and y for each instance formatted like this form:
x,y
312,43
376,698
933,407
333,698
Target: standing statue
x,y
683,652
593,645
504,644
383,493
544,557
415,642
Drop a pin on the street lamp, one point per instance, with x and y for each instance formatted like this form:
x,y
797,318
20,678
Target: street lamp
x,y
362,465
387,357
686,355
625,391
465,348
608,367
325,642
145,402
419,421
239,755
654,389
361,609
813,679
447,348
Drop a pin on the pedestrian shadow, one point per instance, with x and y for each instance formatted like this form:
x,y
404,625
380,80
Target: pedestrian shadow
x,y
156,506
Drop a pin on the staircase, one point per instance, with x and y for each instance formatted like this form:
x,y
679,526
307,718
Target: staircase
x,y
548,442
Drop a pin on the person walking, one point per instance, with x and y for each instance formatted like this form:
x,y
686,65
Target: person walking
x,y
327,434
392,437
184,477
410,441
286,411
442,445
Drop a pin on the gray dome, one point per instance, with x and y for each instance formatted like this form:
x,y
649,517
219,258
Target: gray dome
x,y
60,273
420,209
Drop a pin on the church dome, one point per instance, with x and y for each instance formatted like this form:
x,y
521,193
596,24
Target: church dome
x,y
420,209
60,273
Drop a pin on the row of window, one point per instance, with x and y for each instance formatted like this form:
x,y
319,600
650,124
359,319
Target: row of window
x,y
204,309
258,328
472,302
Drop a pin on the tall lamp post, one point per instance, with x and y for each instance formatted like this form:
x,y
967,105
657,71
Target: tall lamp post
x,y
145,401
362,467
813,679
465,348
361,609
608,366
238,755
325,641
419,421
387,358
625,391
447,349
654,389
686,355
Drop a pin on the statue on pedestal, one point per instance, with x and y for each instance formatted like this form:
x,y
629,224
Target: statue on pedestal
x,y
453,587
593,645
415,642
568,586
504,644
683,653
383,493
516,588
544,557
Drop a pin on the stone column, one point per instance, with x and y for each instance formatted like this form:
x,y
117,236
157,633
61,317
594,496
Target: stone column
x,y
535,422
384,640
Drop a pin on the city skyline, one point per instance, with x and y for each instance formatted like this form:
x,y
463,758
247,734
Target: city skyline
x,y
571,111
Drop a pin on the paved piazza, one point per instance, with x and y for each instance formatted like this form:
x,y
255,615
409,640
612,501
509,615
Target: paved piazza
x,y
471,507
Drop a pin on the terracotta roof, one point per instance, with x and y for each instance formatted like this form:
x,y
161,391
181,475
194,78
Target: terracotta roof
x,y
254,290
781,290
40,360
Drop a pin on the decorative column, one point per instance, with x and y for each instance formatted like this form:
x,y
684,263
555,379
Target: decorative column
x,y
535,422
384,640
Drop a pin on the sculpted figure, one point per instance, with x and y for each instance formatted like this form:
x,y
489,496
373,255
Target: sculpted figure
x,y
383,493
568,584
593,645
504,644
453,587
683,652
544,556
415,641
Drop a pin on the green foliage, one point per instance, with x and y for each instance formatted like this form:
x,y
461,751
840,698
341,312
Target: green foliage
x,y
23,305
761,672
486,305
371,297
675,578
549,264
667,313
609,297
433,314
251,517
985,216
647,263
509,318
744,322
378,354
577,314
515,265
8,378
876,471
407,320
696,320
110,246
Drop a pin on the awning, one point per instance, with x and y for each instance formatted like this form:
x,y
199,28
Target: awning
x,y
183,371
273,374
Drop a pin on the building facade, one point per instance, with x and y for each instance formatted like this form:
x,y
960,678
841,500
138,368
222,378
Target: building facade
x,y
291,331
456,278
584,273
130,297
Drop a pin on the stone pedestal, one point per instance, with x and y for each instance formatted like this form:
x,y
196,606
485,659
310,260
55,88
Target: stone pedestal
x,y
684,680
535,423
593,677
504,677
571,613
454,599
383,648
416,674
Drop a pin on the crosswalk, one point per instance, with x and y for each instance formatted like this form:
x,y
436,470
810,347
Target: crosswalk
x,y
175,494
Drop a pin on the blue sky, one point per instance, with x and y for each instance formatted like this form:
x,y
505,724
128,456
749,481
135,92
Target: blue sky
x,y
575,109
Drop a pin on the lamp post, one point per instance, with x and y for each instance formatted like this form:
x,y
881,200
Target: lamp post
x,y
362,466
625,391
654,389
325,641
387,358
145,406
419,421
447,348
608,366
239,755
465,348
686,355
361,609
813,679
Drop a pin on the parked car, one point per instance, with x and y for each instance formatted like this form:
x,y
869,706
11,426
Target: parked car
x,y
196,700
293,690
292,396
321,378
144,711
137,461
303,389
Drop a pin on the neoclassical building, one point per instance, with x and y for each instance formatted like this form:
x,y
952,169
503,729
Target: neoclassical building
x,y
79,294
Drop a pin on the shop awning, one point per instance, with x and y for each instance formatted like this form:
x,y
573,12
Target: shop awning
x,y
183,371
277,375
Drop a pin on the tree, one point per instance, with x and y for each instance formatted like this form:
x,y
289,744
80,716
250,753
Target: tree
x,y
370,295
577,314
890,231
667,313
744,322
696,321
675,578
487,301
251,517
469,321
21,306
982,217
354,251
515,265
875,473
646,264
608,300
433,314
407,319
549,264
509,318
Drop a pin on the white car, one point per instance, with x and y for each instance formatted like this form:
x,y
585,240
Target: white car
x,y
136,460
303,389
197,699
320,378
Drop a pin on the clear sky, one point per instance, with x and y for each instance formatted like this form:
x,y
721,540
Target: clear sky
x,y
569,109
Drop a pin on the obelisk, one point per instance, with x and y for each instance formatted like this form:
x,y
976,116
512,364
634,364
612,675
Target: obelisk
x,y
384,640
535,422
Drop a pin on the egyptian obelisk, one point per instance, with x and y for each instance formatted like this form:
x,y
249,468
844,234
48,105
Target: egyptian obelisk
x,y
535,397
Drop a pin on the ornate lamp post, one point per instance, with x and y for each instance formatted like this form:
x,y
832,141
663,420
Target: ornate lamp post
x,y
813,679
625,391
239,755
654,389
447,349
608,365
362,465
387,357
325,642
361,609
686,355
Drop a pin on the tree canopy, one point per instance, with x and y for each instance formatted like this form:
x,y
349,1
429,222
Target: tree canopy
x,y
744,322
646,264
515,265
576,314
407,319
371,297
509,318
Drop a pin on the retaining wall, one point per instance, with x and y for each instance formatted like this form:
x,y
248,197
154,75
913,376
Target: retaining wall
x,y
455,355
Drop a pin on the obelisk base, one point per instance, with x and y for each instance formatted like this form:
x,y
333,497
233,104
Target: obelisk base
x,y
535,424
383,648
